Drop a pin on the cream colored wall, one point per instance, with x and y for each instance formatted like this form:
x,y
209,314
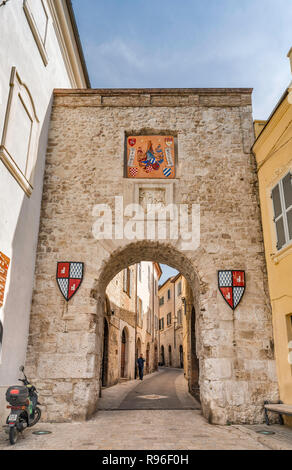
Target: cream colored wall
x,y
124,307
166,335
145,291
125,311
274,160
171,335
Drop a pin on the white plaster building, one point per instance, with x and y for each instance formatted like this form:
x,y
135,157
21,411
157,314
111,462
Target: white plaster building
x,y
40,50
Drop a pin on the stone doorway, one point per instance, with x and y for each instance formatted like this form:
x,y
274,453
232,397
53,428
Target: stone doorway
x,y
162,356
156,356
148,358
105,354
124,354
127,315
194,383
215,367
181,356
138,352
169,356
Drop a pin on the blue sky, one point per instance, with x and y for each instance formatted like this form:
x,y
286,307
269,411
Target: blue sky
x,y
189,43
167,272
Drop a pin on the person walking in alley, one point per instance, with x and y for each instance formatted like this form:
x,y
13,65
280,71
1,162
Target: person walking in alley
x,y
140,362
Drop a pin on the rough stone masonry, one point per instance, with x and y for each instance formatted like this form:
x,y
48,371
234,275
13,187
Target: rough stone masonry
x,y
215,168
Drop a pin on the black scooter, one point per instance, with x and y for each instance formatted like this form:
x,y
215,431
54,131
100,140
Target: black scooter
x,y
23,401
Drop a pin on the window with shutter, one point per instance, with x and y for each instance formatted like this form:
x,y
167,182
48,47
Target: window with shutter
x,y
282,203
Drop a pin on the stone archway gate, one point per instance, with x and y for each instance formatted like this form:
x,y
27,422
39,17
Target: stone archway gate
x,y
215,169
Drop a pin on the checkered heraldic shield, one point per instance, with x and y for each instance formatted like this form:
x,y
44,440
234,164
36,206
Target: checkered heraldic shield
x,y
232,286
69,277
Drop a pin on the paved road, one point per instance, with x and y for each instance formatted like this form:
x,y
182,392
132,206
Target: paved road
x,y
143,429
164,391
115,427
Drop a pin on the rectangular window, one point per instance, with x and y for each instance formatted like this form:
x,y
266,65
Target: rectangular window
x,y
179,289
161,324
282,203
168,294
38,21
168,319
140,271
161,301
19,142
127,281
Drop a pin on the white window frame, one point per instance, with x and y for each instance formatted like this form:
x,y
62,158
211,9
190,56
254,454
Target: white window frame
x,y
41,42
19,90
283,213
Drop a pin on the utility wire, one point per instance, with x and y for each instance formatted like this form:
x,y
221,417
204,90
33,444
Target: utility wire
x,y
3,3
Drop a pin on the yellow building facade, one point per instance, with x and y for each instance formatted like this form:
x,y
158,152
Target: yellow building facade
x,y
273,152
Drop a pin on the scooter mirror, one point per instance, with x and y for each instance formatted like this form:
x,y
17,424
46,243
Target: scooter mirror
x,y
21,368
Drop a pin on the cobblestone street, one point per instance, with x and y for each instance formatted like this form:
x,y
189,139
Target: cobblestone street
x,y
151,429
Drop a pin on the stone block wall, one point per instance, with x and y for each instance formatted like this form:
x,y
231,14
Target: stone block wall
x,y
85,167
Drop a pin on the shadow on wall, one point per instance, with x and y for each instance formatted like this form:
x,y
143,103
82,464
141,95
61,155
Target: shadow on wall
x,y
22,266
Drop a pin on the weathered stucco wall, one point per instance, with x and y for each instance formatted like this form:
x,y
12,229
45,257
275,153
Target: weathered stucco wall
x,y
85,166
19,219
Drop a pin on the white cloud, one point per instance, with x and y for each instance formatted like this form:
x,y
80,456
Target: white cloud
x,y
246,48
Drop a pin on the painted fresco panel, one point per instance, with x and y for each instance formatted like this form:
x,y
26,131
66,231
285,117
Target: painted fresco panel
x,y
4,264
150,157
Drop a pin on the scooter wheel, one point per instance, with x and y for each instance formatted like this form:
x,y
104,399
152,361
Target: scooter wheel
x,y
37,416
13,435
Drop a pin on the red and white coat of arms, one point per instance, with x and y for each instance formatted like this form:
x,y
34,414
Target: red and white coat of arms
x,y
232,286
69,277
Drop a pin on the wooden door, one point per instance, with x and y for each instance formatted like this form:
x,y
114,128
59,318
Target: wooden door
x,y
123,355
